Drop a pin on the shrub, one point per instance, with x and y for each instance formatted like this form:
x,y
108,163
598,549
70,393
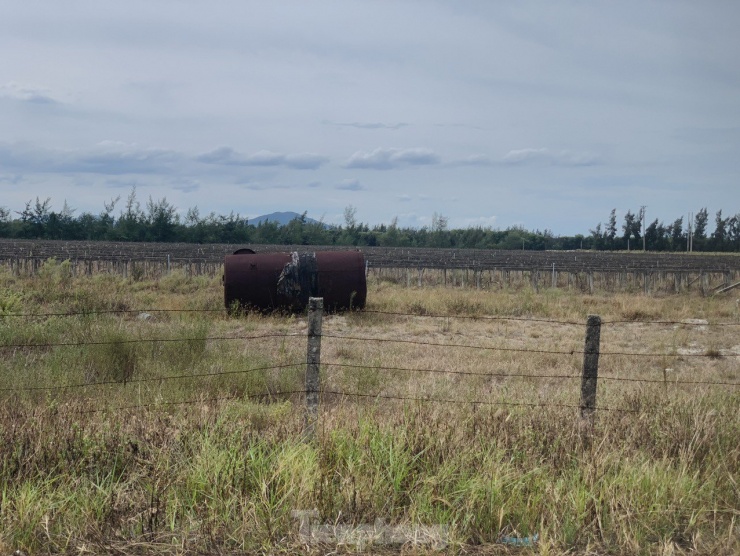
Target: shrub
x,y
10,302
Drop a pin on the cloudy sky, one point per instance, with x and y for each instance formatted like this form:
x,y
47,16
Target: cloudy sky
x,y
537,113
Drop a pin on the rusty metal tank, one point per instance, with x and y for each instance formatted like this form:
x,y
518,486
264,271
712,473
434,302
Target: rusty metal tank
x,y
268,281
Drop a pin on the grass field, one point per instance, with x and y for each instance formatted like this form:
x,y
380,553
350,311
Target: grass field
x,y
181,431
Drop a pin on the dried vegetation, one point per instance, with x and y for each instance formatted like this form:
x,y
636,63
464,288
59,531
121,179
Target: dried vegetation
x,y
114,440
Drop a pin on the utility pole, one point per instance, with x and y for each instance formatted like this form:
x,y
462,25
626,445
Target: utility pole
x,y
643,228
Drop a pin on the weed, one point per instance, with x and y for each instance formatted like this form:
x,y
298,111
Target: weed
x,y
115,358
10,302
463,305
196,446
417,308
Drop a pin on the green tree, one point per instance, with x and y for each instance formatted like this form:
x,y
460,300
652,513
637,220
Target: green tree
x,y
106,220
161,220
733,232
610,234
439,236
295,232
34,218
656,236
4,222
676,235
598,238
350,216
719,236
131,222
61,225
701,219
631,229
351,232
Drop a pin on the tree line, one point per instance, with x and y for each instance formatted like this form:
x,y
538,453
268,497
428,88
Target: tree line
x,y
158,220
635,233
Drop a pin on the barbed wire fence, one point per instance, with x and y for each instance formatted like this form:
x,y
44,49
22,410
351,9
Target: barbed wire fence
x,y
314,391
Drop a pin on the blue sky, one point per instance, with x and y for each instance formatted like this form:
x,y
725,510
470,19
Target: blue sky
x,y
536,113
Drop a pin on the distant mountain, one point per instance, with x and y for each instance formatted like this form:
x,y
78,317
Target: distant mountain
x,y
281,218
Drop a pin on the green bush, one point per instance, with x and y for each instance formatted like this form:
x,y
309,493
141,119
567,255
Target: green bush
x,y
115,358
10,302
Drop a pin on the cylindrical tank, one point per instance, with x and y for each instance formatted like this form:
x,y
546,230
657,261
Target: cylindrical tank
x,y
269,281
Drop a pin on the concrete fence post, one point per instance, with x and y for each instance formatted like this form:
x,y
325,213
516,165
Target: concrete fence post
x,y
590,368
313,363
554,277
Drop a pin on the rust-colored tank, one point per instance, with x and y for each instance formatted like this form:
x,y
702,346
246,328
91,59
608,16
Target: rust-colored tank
x,y
269,281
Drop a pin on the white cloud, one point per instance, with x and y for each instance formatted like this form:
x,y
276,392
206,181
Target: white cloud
x,y
388,158
229,157
547,157
222,155
107,158
265,158
111,157
305,161
370,125
475,160
258,186
254,186
117,183
26,93
350,185
11,179
186,185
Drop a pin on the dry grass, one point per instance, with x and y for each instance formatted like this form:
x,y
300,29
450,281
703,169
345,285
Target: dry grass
x,y
126,467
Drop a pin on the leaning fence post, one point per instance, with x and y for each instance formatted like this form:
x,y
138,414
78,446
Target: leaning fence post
x,y
313,362
590,367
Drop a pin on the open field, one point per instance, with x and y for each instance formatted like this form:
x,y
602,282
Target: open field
x,y
181,430
588,271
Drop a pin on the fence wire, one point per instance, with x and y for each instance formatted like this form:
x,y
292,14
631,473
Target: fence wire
x,y
545,321
109,312
151,379
710,355
379,312
150,340
520,375
522,350
281,395
343,393
373,368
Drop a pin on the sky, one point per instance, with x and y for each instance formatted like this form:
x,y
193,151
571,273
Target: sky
x,y
540,114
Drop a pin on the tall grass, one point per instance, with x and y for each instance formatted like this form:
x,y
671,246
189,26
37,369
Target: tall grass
x,y
193,445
